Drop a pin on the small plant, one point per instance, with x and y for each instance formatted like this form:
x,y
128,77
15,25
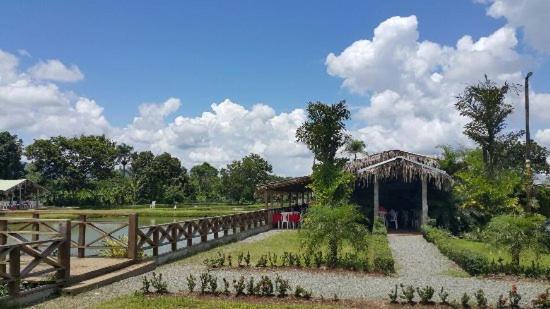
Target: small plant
x,y
191,283
335,298
229,260
318,259
213,283
514,297
543,300
247,258
300,292
112,247
204,278
272,259
426,293
407,293
297,260
465,300
250,288
226,287
262,261
240,257
393,295
443,295
501,302
145,285
481,300
285,259
239,286
265,286
307,259
215,262
281,286
159,284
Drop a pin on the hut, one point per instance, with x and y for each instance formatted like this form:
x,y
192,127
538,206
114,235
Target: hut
x,y
19,194
391,180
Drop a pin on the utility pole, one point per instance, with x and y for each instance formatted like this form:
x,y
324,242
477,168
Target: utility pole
x,y
528,175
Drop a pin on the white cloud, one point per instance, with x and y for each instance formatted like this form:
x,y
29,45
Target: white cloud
x,y
36,108
55,70
530,15
543,137
228,132
413,84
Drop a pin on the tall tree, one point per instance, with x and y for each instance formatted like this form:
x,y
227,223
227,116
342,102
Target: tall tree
x,y
124,155
204,181
484,104
355,147
11,149
240,178
331,220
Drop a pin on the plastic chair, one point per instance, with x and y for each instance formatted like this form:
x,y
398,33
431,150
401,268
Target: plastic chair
x,y
393,218
277,217
285,219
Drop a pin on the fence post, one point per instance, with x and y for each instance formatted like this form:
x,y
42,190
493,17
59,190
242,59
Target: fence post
x,y
234,220
132,237
203,230
242,223
189,235
156,244
216,226
174,230
35,226
82,236
64,254
15,264
226,223
3,241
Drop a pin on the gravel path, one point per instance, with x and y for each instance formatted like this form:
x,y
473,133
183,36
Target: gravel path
x,y
418,262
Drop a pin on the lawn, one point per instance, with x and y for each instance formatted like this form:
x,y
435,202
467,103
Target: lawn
x,y
182,211
377,251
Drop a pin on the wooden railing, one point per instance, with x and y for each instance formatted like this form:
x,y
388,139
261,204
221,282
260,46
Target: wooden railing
x,y
45,256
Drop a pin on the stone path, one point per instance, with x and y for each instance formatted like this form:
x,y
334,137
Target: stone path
x,y
418,262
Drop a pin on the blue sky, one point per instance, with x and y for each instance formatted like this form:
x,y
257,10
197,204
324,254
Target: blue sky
x,y
202,52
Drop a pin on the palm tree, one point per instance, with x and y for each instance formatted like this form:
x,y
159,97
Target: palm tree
x,y
355,146
123,156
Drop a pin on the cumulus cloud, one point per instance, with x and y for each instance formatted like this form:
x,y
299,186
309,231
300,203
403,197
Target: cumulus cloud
x,y
529,15
227,132
55,70
413,84
33,107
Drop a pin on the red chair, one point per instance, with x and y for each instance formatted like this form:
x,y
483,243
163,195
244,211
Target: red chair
x,y
295,219
277,218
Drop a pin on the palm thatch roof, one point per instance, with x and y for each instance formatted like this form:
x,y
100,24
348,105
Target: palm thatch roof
x,y
398,164
296,184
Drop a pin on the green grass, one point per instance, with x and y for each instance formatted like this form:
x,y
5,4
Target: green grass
x,y
182,211
288,241
168,302
456,273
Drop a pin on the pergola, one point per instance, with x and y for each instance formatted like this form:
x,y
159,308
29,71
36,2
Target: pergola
x,y
17,189
295,189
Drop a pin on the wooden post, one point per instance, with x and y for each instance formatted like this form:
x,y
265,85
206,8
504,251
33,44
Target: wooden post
x,y
35,226
289,199
82,236
216,227
64,254
234,224
424,218
15,272
156,245
282,199
226,223
174,232
3,241
376,199
203,230
189,235
266,199
133,237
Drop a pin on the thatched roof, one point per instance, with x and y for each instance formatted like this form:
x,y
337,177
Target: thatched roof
x,y
397,164
297,184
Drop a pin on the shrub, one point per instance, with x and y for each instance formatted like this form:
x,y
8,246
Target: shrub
x,y
213,283
114,247
229,260
265,286
226,287
159,284
300,292
250,287
240,258
443,295
204,278
426,293
514,297
407,293
393,295
384,264
501,302
379,228
543,300
191,283
481,300
262,261
272,259
318,259
145,286
247,258
465,300
281,286
239,286
215,262
307,259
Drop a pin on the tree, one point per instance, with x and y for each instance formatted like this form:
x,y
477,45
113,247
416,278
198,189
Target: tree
x,y
11,149
240,178
484,104
204,182
124,155
513,156
324,133
515,233
354,147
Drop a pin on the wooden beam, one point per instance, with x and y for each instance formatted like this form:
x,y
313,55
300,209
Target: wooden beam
x,y
424,218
